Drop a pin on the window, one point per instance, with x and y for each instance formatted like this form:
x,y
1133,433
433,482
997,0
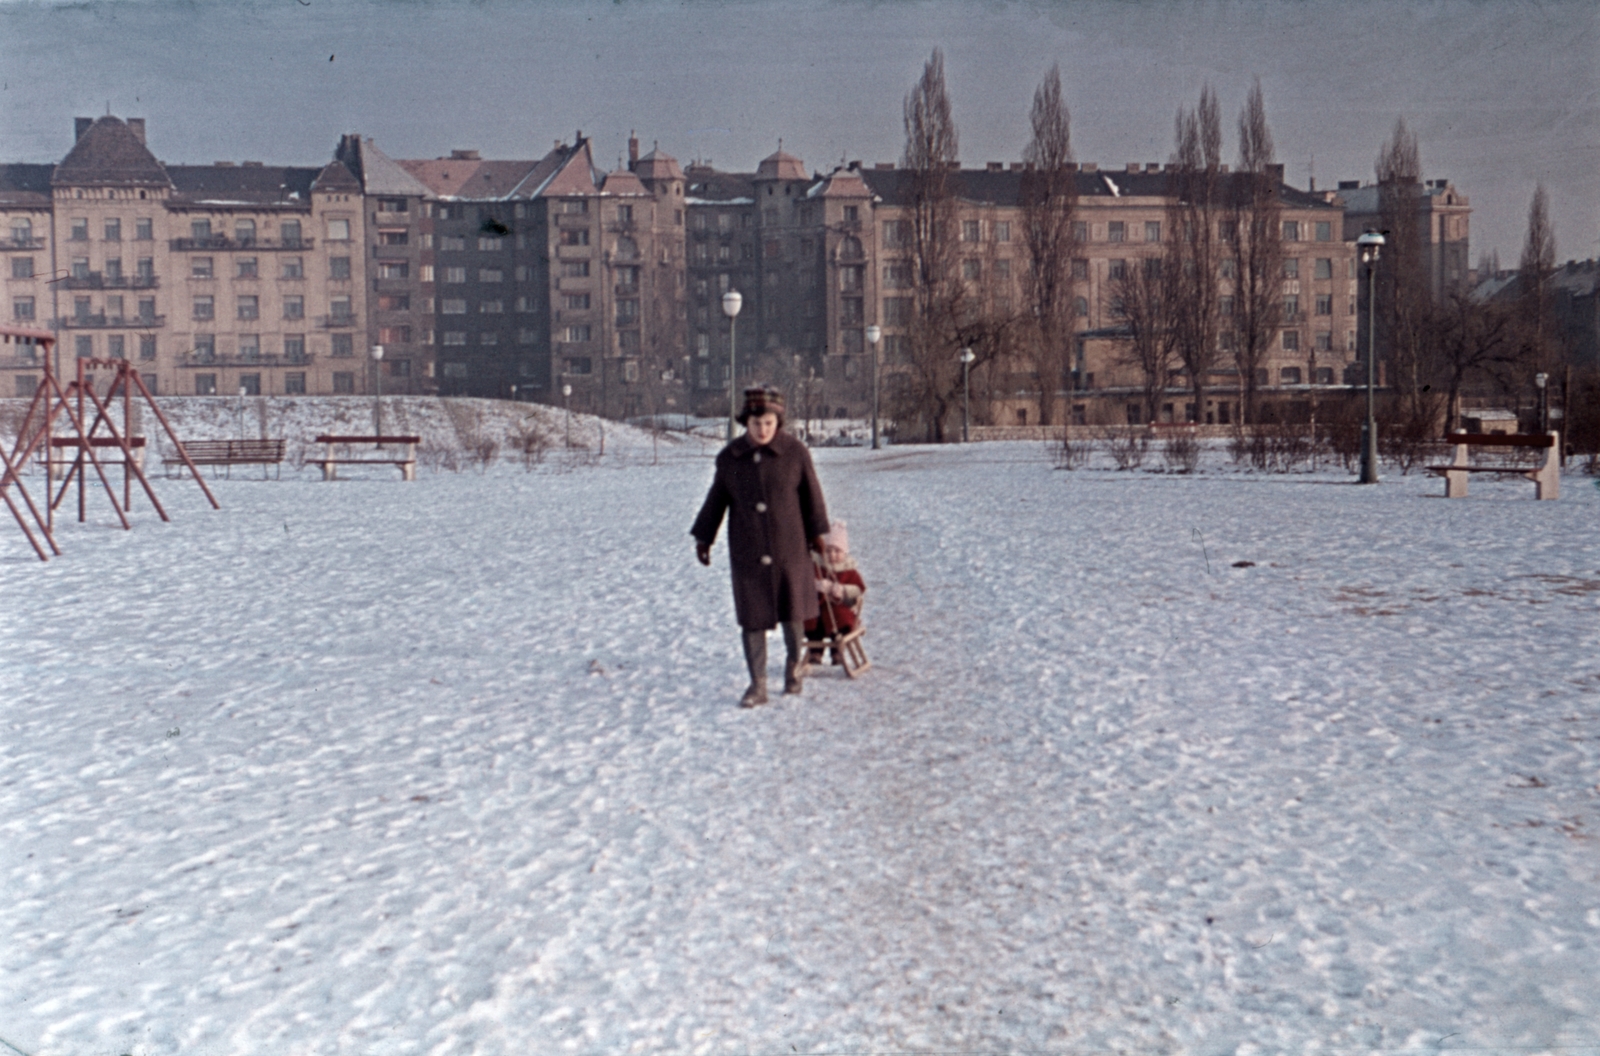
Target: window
x,y
1118,269
1002,231
200,267
896,275
1291,340
1289,376
1080,231
574,269
113,307
1225,306
578,334
339,311
971,270
249,307
1291,268
491,307
852,214
85,346
147,346
338,267
80,308
291,268
1227,268
575,236
250,347
578,365
244,232
1080,307
204,308
850,312
1324,341
575,206
1324,268
1002,270
1291,231
1228,231
147,309
21,231
143,230
628,278
896,233
1152,230
80,267
970,230
897,311
116,346
80,229
627,311
702,345
490,243
344,345
294,348
390,269
113,230
1324,231
1116,231
453,306
491,275
455,369
289,232
344,382
1080,269
488,337
392,205
454,337
205,384
244,268
396,237
294,307
1291,307
200,230
452,243
394,302
338,230
425,273
455,275
294,383
1324,304
146,269
22,267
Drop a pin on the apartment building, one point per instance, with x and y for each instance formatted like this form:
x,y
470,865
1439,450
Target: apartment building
x,y
218,279
1443,220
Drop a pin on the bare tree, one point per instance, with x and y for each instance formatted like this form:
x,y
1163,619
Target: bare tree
x,y
1143,299
1193,210
1257,281
1049,194
1475,338
934,375
1537,265
1405,302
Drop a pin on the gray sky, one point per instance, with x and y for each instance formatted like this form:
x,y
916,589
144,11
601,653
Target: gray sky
x,y
1500,94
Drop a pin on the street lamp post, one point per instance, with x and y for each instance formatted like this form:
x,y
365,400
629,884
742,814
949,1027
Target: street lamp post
x,y
874,334
1369,244
732,301
966,390
1542,380
566,404
377,399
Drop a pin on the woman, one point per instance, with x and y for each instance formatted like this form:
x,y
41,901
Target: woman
x,y
768,487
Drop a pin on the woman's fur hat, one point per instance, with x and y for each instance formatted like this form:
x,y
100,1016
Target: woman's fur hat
x,y
759,401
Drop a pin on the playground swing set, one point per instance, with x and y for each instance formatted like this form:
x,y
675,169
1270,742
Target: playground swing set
x,y
58,421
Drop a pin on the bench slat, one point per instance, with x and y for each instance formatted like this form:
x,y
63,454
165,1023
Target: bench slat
x,y
1499,440
332,439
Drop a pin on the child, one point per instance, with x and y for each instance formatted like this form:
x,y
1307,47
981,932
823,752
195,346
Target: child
x,y
840,589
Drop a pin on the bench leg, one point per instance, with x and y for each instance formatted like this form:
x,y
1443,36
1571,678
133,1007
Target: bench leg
x,y
329,470
408,471
1455,485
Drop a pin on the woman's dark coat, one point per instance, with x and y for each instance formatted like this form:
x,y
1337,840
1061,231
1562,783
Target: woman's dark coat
x,y
774,506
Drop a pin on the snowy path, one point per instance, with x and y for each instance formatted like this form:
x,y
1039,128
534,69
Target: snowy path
x,y
454,767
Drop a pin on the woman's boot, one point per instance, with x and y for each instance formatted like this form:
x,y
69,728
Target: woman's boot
x,y
793,669
755,658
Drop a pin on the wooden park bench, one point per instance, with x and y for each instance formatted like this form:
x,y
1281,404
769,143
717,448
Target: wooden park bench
x,y
406,459
1546,476
228,453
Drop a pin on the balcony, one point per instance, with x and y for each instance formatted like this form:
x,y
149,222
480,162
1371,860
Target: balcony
x,y
22,362
237,359
106,322
335,322
224,242
97,281
12,242
627,291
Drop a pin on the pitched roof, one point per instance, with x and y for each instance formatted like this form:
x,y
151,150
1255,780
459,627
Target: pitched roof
x,y
575,175
708,186
895,186
657,166
25,185
381,174
336,178
471,178
262,185
781,166
841,183
622,182
108,153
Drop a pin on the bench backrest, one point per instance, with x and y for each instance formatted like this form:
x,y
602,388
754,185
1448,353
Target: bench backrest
x,y
332,439
1499,440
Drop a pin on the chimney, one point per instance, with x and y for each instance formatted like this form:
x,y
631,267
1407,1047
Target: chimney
x,y
464,155
633,151
1133,166
80,125
995,166
136,126
1276,171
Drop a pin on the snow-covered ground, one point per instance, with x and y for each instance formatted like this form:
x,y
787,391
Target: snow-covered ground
x,y
454,766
